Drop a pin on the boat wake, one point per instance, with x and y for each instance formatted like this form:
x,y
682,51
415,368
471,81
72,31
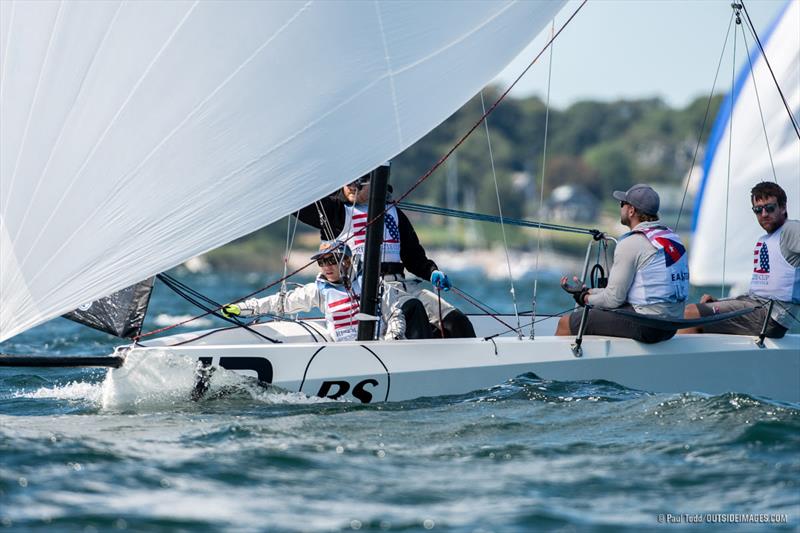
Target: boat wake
x,y
159,380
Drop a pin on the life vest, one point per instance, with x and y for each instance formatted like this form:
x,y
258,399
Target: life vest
x,y
666,278
340,307
773,276
355,224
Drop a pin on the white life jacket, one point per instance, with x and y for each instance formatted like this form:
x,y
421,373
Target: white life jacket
x,y
773,276
355,225
666,278
340,307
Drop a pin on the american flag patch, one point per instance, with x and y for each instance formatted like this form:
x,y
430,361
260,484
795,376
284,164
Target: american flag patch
x,y
761,259
359,228
343,311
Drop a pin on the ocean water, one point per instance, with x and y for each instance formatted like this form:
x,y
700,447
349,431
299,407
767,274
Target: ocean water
x,y
525,455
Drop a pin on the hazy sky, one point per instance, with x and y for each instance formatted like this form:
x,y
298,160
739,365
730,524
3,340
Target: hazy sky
x,y
639,48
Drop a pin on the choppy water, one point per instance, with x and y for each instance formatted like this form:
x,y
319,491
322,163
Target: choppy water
x,y
80,450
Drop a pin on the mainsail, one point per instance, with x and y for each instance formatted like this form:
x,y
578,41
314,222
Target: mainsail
x,y
136,135
749,157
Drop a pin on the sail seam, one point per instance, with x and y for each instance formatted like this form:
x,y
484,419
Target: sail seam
x,y
460,39
34,102
8,45
184,121
69,114
97,145
390,74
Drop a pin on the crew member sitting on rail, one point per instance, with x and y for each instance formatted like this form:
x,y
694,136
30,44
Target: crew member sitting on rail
x,y
343,217
336,292
649,276
776,274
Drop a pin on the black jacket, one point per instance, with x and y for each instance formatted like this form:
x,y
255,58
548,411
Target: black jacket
x,y
411,251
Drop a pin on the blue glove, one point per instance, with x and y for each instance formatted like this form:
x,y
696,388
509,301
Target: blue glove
x,y
440,280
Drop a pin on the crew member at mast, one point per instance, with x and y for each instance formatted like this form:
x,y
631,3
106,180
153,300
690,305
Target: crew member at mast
x,y
649,276
344,216
776,274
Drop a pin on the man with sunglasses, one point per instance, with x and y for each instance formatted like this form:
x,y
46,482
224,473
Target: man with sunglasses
x,y
344,217
336,292
649,276
776,274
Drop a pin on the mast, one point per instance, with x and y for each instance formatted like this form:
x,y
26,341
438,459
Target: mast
x,y
372,251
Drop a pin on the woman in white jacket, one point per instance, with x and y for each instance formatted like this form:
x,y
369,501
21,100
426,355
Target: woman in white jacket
x,y
336,293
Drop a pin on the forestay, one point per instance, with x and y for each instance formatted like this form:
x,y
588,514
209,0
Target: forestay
x,y
750,159
136,135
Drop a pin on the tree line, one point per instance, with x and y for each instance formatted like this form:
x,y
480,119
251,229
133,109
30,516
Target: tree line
x,y
600,145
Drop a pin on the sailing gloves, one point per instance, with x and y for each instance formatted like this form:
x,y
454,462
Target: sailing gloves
x,y
231,310
440,280
577,290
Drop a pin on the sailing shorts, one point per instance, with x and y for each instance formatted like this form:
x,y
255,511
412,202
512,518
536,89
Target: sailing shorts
x,y
610,324
749,324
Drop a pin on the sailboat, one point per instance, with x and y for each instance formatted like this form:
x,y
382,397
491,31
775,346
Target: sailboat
x,y
138,135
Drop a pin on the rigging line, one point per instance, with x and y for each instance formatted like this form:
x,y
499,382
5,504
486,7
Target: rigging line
x,y
289,246
455,213
191,319
500,212
178,286
730,148
703,126
491,108
324,222
477,304
541,187
532,322
764,55
758,101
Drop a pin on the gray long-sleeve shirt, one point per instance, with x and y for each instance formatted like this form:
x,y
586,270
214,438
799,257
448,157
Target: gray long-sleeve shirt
x,y
632,254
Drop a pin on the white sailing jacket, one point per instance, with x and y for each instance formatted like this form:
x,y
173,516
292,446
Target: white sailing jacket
x,y
665,279
773,276
355,224
339,305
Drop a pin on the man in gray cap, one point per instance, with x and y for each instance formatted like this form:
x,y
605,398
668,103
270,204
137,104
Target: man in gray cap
x,y
649,276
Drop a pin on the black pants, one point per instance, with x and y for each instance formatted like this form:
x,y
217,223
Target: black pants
x,y
456,325
602,322
417,325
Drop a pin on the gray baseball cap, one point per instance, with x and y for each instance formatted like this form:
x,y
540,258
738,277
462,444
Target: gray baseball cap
x,y
642,197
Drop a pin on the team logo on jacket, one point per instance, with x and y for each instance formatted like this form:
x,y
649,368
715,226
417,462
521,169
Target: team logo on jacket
x,y
761,259
673,250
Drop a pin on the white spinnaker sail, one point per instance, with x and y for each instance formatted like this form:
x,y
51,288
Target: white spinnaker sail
x,y
749,161
135,135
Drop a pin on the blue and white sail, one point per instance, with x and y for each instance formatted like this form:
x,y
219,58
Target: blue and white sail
x,y
724,193
136,135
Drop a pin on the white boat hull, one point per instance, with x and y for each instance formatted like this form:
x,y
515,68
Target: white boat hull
x,y
401,370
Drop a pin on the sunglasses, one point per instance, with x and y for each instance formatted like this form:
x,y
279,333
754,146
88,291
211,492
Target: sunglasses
x,y
623,203
769,208
328,260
